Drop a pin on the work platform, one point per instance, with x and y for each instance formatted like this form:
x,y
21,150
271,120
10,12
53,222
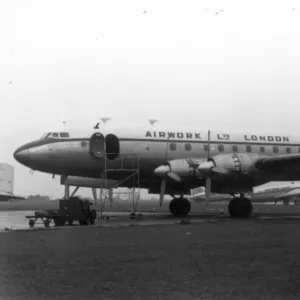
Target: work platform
x,y
126,169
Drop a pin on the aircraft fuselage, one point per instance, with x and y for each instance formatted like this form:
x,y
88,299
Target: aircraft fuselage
x,y
146,149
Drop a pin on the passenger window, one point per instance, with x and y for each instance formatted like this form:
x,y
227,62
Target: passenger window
x,y
248,148
221,148
64,134
55,134
188,147
288,150
173,147
275,149
206,148
299,150
235,148
262,149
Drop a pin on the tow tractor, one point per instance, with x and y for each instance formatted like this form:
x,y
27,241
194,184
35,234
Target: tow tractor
x,y
73,209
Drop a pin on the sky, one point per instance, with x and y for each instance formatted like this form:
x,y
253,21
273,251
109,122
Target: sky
x,y
176,61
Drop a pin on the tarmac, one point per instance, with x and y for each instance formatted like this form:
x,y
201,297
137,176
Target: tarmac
x,y
119,219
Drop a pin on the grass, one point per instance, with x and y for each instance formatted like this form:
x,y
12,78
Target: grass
x,y
240,259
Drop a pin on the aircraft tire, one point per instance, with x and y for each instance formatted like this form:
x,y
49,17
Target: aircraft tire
x,y
240,208
179,206
47,223
83,222
59,222
31,223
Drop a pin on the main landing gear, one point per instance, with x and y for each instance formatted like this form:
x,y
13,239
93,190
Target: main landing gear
x,y
240,207
180,206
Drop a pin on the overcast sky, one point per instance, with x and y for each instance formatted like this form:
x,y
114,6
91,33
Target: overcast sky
x,y
176,61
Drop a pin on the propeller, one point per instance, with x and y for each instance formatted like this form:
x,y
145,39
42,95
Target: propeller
x,y
165,172
164,180
209,168
208,179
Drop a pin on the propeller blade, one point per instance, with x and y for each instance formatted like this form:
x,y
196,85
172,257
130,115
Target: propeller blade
x,y
94,191
207,190
174,176
162,192
208,144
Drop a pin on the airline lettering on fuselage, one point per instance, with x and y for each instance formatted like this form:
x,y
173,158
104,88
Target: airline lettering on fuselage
x,y
266,138
174,135
223,136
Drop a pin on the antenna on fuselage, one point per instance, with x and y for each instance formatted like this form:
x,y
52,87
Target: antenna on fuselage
x,y
104,120
152,121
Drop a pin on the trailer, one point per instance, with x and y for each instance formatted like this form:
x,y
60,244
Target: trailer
x,y
70,210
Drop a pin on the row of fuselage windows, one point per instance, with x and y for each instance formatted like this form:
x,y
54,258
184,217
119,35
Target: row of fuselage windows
x,y
241,148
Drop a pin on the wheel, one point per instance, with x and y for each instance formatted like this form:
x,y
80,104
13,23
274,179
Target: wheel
x,y
93,214
31,223
180,206
70,222
83,222
92,221
47,223
59,222
240,208
132,215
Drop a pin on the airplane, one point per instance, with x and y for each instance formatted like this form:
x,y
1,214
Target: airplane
x,y
170,161
7,183
284,192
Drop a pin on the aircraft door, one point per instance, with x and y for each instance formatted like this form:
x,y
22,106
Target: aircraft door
x,y
112,146
97,145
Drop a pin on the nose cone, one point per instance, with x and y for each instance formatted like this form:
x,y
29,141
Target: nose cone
x,y
22,156
162,170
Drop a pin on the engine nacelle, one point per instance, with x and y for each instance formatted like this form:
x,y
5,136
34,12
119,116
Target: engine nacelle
x,y
236,164
184,169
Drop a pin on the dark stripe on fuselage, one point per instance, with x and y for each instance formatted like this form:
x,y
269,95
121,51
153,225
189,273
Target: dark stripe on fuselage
x,y
51,141
206,142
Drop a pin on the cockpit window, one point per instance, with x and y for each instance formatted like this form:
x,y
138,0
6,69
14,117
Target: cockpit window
x,y
55,135
64,134
46,135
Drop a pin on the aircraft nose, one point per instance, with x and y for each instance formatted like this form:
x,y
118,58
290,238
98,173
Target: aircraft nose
x,y
22,156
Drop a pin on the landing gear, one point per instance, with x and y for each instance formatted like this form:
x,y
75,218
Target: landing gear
x,y
180,206
240,207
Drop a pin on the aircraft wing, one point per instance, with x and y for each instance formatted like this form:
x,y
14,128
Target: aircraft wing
x,y
8,196
279,163
288,195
